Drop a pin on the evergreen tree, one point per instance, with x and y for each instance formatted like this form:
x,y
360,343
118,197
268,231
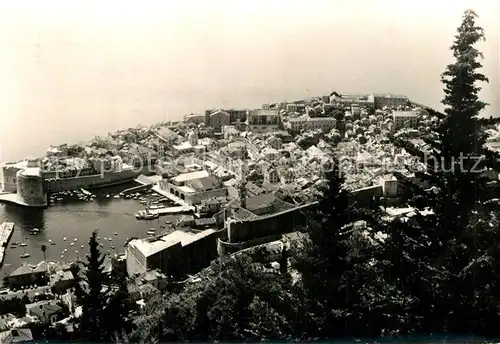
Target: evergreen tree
x,y
119,303
324,260
458,141
443,248
91,296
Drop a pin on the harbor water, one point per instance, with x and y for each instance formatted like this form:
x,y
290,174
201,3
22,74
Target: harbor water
x,y
69,225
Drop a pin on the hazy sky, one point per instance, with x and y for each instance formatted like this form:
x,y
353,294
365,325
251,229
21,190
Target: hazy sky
x,y
70,69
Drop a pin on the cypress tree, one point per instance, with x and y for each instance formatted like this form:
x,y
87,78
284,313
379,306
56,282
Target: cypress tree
x,y
91,296
119,303
323,261
453,238
458,142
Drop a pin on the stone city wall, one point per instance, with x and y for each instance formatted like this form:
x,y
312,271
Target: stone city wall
x,y
366,197
224,247
92,181
262,226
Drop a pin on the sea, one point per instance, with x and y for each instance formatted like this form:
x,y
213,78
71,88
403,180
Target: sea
x,y
69,226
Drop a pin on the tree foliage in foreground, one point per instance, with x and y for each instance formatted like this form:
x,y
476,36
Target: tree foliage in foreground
x,y
106,304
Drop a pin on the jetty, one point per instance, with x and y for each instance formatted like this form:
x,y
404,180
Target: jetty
x,y
157,212
172,210
145,183
6,230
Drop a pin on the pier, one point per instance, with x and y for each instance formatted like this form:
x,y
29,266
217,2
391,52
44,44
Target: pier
x,y
136,189
6,230
144,182
172,210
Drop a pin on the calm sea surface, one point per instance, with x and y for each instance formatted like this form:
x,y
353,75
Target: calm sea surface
x,y
75,221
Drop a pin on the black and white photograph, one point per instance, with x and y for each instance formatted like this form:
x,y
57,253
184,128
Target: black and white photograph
x,y
221,171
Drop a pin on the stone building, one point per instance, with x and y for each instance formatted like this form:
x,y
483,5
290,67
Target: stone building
x,y
405,119
174,254
390,100
194,187
261,121
218,119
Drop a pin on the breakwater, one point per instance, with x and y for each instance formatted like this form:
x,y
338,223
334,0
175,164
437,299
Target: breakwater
x,y
6,230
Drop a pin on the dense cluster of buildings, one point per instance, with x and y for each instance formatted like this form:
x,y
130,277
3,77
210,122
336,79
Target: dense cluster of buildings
x,y
249,173
261,167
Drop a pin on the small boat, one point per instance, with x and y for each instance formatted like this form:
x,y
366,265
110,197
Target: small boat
x,y
156,206
52,243
112,247
151,233
64,238
82,246
116,196
25,255
116,233
14,244
108,196
168,222
150,216
102,244
71,244
76,240
23,244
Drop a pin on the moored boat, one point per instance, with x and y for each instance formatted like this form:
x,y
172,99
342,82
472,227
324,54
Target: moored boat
x,y
150,216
